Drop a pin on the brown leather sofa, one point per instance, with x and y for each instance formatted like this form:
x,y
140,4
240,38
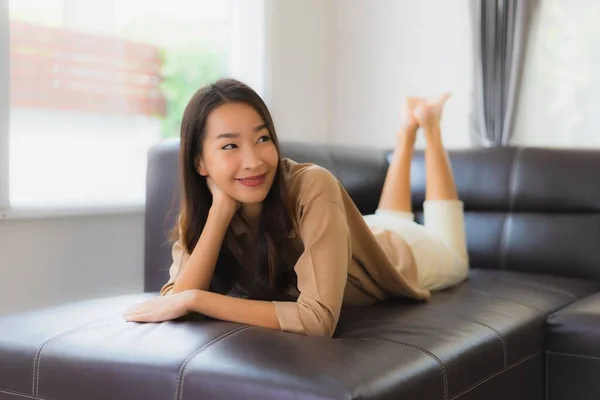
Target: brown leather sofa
x,y
516,329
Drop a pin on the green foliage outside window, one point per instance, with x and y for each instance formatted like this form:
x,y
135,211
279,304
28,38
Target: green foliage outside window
x,y
185,70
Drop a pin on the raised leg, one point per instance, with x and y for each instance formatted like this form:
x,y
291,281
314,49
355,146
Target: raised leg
x,y
443,211
438,247
395,195
440,181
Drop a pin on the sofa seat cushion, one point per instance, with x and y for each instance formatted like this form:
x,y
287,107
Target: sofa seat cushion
x,y
573,351
398,349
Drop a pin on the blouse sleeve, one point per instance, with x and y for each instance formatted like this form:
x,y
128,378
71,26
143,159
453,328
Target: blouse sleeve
x,y
180,259
322,268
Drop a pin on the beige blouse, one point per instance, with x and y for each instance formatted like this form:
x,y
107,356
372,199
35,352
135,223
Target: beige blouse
x,y
340,259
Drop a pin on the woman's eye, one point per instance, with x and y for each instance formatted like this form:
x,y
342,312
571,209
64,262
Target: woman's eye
x,y
265,137
230,146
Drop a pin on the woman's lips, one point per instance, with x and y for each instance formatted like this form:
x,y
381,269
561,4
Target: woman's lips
x,y
254,182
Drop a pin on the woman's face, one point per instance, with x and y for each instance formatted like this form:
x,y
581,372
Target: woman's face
x,y
237,146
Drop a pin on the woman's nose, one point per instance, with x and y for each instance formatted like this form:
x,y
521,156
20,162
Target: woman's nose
x,y
252,160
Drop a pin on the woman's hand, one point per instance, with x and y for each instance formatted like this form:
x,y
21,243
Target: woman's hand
x,y
162,308
222,200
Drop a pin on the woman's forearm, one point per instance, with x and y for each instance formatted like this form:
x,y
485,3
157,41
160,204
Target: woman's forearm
x,y
233,309
200,267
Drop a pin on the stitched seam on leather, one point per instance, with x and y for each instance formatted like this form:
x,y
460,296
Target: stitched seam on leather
x,y
504,348
571,295
509,300
38,354
482,381
546,373
560,291
438,361
183,368
27,396
551,289
572,355
547,287
37,388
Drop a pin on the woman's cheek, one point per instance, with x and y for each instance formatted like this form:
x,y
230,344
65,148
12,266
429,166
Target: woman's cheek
x,y
271,154
228,163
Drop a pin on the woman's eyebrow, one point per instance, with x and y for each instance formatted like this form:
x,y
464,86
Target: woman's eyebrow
x,y
233,135
227,136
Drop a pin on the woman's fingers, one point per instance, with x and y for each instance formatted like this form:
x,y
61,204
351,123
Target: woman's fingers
x,y
134,313
158,309
132,316
141,316
142,309
136,310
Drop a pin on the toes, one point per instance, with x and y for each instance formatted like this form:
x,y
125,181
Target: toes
x,y
412,102
423,109
444,97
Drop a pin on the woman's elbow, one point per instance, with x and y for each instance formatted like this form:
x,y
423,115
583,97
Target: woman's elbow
x,y
306,318
322,326
325,332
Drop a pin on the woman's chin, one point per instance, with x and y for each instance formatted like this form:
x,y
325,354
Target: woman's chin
x,y
250,196
252,199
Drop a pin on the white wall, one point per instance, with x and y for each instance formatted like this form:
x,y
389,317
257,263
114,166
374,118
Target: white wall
x,y
341,68
386,50
49,261
299,76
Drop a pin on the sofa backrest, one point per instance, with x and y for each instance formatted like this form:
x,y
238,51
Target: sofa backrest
x,y
529,209
526,209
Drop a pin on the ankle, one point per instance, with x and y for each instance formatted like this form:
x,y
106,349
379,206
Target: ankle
x,y
433,135
408,133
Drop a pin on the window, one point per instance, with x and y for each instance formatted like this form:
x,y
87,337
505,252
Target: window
x,y
95,83
560,89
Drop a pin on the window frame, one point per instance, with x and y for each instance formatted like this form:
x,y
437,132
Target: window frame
x,y
4,106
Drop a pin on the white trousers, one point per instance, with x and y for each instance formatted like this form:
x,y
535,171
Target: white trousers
x,y
439,245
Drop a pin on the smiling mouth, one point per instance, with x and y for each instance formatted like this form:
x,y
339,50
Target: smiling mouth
x,y
254,180
250,178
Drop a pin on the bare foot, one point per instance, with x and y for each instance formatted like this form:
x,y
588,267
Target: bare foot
x,y
429,112
410,125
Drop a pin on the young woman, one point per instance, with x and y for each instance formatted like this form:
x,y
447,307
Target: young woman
x,y
265,241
